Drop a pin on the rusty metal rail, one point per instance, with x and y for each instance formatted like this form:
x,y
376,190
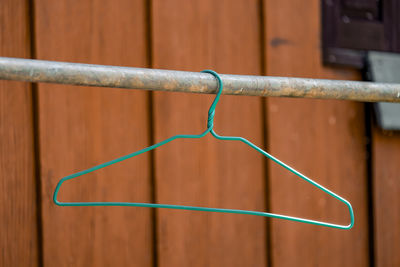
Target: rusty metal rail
x,y
193,82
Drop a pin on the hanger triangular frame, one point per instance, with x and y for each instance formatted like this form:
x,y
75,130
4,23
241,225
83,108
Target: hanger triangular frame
x,y
210,129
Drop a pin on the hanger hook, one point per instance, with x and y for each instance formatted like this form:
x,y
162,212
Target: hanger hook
x,y
211,111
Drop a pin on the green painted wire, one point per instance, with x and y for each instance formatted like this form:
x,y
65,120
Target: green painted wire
x,y
209,129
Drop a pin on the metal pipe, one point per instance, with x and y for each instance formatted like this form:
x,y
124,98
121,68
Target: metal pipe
x,y
193,82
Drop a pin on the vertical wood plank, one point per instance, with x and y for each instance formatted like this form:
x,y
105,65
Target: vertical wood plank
x,y
224,36
83,127
322,139
18,212
386,161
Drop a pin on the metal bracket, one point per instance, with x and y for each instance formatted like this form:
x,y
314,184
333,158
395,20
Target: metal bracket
x,y
385,68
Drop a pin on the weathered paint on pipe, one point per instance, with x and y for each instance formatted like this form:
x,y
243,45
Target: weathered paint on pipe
x,y
193,82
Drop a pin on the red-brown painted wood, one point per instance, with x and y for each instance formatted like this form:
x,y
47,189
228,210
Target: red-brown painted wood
x,y
18,212
386,196
323,139
82,127
224,36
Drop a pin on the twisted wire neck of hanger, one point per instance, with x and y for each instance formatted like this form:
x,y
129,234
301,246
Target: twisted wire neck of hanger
x,y
211,111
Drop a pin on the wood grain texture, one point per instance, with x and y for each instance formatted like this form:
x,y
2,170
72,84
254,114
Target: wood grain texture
x,y
322,139
386,162
18,212
83,127
224,36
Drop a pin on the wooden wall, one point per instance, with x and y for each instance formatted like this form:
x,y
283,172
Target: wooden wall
x,y
19,209
48,131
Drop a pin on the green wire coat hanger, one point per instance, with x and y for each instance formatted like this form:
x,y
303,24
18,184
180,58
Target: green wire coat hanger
x,y
210,124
